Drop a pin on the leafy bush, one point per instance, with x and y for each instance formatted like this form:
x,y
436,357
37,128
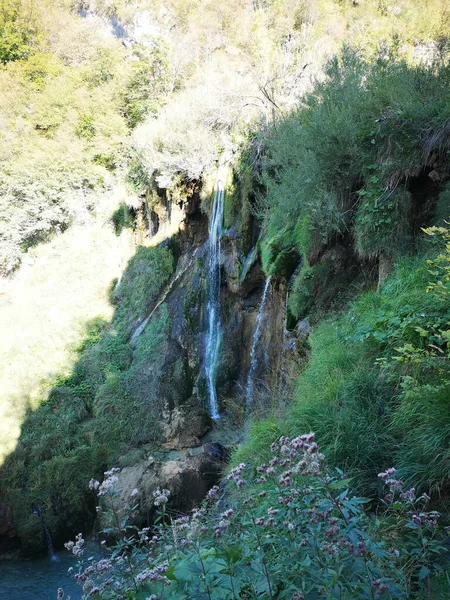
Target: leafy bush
x,y
288,529
18,30
380,124
150,84
381,222
122,218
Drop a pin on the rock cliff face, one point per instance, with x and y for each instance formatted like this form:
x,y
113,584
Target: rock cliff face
x,y
185,465
183,390
186,449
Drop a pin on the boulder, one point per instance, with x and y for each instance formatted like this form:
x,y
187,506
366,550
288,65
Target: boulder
x,y
185,425
188,477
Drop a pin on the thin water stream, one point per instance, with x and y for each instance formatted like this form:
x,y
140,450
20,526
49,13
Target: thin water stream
x,y
254,349
213,335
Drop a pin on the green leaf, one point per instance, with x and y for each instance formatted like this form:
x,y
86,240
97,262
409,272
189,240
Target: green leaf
x,y
337,485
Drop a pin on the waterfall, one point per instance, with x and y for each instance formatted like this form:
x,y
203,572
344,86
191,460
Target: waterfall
x,y
213,307
255,342
51,550
48,537
281,372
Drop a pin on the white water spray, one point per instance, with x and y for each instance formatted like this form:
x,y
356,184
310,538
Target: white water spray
x,y
213,335
255,341
48,537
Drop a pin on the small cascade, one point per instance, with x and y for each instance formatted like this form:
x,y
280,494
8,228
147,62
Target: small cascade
x,y
213,307
51,549
48,537
255,341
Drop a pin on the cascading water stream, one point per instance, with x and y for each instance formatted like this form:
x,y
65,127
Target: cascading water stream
x,y
213,307
48,537
255,341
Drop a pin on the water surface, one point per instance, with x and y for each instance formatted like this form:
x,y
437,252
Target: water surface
x,y
39,579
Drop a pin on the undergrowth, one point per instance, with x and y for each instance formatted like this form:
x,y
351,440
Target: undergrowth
x,y
375,388
286,529
94,414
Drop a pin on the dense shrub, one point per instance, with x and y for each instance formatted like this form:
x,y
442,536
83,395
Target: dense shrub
x,y
18,29
376,383
287,529
343,160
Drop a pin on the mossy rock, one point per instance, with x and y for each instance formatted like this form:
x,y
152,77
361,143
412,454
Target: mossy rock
x,y
279,257
285,263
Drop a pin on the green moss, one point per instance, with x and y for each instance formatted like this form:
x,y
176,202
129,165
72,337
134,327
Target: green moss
x,y
122,218
301,296
147,272
231,207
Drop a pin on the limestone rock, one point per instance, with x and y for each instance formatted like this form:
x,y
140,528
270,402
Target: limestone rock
x,y
186,424
188,478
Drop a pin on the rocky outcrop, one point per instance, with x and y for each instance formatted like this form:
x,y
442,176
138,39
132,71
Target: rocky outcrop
x,y
185,425
188,476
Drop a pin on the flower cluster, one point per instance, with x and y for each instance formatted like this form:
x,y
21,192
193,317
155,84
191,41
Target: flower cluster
x,y
157,573
161,497
224,523
109,484
76,547
290,516
235,475
213,492
107,487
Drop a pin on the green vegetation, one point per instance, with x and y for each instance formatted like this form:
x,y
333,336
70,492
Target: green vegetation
x,y
375,388
147,271
18,30
95,414
340,111
291,530
348,180
59,149
381,127
150,83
